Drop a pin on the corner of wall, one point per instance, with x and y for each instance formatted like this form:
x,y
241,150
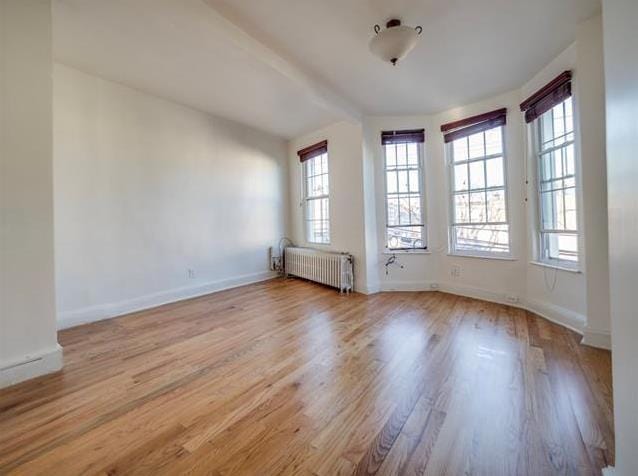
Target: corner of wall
x,y
596,338
31,366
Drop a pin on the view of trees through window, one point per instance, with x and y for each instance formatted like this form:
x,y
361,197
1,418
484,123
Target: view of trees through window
x,y
479,211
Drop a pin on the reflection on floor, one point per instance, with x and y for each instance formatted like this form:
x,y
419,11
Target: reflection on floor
x,y
291,377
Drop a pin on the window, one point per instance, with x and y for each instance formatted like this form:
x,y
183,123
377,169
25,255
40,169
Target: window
x,y
316,193
478,221
405,221
550,110
558,224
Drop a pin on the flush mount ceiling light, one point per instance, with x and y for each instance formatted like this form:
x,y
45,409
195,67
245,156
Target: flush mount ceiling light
x,y
395,42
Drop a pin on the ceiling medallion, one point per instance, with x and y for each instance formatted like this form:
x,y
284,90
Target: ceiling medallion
x,y
395,42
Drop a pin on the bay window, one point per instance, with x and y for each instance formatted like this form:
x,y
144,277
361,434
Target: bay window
x,y
478,196
550,112
404,189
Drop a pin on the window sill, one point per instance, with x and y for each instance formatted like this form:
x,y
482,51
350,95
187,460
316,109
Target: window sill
x,y
556,266
468,255
406,252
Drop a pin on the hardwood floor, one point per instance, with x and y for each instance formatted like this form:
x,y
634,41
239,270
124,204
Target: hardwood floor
x,y
292,378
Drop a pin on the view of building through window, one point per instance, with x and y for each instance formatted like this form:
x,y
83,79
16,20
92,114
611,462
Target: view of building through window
x,y
557,184
317,200
404,199
479,210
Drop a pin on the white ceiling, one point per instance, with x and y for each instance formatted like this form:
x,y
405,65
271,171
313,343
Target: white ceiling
x,y
288,66
184,51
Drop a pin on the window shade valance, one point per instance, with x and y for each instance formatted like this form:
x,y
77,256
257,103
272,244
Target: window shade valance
x,y
313,151
472,125
555,92
402,137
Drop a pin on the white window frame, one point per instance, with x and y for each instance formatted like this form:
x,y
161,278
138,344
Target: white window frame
x,y
540,252
422,191
307,199
452,246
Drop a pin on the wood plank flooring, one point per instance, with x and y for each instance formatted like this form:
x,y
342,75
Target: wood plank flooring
x,y
289,377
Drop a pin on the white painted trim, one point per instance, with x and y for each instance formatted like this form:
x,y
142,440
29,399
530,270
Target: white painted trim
x,y
99,312
567,269
30,366
475,293
407,286
493,256
367,288
406,252
556,314
596,338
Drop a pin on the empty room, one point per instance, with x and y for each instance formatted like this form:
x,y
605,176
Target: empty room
x,y
318,237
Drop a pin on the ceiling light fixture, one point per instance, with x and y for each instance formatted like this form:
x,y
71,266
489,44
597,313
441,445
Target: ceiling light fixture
x,y
395,42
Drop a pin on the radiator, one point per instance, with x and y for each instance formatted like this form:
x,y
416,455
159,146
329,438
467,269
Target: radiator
x,y
325,267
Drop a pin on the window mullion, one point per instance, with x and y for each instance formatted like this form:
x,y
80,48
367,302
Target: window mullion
x,y
469,182
413,233
485,178
481,236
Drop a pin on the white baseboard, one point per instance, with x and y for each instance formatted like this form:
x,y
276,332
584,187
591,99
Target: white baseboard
x,y
556,314
31,366
609,471
475,293
595,338
406,286
100,312
368,289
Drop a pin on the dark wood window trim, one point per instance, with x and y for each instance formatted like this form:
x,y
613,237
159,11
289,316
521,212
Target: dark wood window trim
x,y
312,151
550,95
402,137
472,125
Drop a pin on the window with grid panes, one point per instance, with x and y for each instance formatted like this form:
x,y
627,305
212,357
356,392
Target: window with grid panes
x,y
558,223
317,199
405,224
479,224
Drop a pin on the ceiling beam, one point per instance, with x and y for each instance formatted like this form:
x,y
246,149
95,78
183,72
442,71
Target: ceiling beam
x,y
322,95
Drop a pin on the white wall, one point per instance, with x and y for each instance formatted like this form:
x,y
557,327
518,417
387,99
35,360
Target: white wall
x,y
621,77
501,279
146,189
497,280
562,296
580,296
558,291
421,268
28,341
346,193
590,81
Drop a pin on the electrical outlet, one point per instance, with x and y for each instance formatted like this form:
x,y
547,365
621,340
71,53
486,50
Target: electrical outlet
x,y
191,273
455,271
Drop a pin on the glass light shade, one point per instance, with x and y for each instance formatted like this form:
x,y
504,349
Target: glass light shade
x,y
393,44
